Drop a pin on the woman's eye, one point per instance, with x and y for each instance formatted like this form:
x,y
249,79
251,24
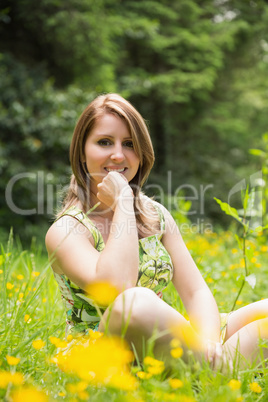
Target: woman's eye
x,y
104,143
128,144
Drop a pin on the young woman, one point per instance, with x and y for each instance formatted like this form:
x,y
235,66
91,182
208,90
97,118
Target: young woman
x,y
133,243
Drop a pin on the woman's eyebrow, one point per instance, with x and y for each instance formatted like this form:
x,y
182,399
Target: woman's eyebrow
x,y
111,136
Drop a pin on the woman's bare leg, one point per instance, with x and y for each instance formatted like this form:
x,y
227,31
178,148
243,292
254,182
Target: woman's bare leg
x,y
245,328
245,315
142,314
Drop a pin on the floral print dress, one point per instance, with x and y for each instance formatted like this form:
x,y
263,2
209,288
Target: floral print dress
x,y
155,272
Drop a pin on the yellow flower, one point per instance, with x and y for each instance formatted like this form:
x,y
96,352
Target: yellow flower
x,y
143,376
69,338
102,293
12,361
176,352
28,394
155,370
234,250
21,295
239,399
9,286
61,393
27,318
238,302
10,378
20,277
254,387
234,384
175,383
38,344
1,271
44,300
87,359
79,387
58,342
175,343
35,273
83,395
150,361
188,335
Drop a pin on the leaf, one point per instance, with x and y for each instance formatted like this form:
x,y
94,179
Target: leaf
x,y
251,280
257,152
229,210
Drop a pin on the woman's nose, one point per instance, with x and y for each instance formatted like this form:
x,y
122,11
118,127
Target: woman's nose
x,y
118,153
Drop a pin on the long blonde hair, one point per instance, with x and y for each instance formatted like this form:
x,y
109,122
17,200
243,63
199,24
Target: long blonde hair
x,y
79,189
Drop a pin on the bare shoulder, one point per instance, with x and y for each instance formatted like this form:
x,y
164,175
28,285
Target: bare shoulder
x,y
63,229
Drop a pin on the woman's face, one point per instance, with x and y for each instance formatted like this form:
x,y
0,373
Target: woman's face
x,y
109,147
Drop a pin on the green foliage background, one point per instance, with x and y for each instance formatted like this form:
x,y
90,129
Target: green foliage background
x,y
195,69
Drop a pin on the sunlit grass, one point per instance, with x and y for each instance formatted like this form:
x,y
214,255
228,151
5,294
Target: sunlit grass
x,y
36,366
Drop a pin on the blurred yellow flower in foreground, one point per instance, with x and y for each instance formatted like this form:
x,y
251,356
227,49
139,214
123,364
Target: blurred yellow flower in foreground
x,y
102,293
58,342
234,384
35,273
12,361
154,366
10,378
29,394
102,361
255,387
187,335
176,353
9,286
38,344
143,375
175,383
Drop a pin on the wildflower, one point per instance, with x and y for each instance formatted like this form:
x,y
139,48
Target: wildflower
x,y
44,300
188,335
234,384
10,378
175,383
21,295
29,394
155,370
175,343
255,387
264,249
176,352
38,344
83,395
69,338
61,393
79,387
12,361
87,358
234,250
238,302
143,375
27,318
239,399
102,293
35,273
20,277
1,271
9,286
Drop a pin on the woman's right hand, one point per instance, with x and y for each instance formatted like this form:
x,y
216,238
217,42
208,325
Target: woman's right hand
x,y
113,188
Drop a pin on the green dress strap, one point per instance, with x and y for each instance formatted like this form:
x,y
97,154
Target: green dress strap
x,y
82,217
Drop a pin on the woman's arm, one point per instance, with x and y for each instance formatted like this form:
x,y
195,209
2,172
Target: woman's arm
x,y
71,246
195,294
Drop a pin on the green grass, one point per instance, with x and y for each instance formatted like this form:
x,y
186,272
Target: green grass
x,y
31,309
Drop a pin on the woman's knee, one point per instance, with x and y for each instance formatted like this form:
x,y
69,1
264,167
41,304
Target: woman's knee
x,y
131,305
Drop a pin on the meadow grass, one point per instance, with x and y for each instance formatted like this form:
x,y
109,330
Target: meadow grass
x,y
32,341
